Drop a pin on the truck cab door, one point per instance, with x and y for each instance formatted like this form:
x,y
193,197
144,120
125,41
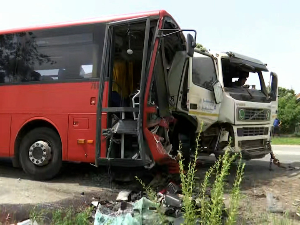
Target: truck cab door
x,y
274,95
204,91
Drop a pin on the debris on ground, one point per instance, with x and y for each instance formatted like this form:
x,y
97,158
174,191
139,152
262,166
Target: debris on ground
x,y
123,195
27,222
140,212
136,208
273,205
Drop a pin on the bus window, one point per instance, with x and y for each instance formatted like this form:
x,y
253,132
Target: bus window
x,y
40,55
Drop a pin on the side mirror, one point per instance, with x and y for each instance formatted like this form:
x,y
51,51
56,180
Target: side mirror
x,y
274,87
218,92
190,45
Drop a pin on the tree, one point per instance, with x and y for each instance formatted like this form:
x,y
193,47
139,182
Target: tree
x,y
201,47
283,92
288,109
19,53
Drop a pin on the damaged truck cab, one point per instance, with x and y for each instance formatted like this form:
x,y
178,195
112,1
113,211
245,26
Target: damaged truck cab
x,y
157,91
224,111
171,93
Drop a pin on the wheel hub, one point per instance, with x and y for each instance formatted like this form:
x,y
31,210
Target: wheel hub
x,y
40,153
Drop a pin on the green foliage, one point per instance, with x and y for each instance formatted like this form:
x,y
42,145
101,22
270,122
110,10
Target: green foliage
x,y
188,185
286,140
217,192
211,210
70,217
201,47
152,196
284,91
235,194
61,216
288,110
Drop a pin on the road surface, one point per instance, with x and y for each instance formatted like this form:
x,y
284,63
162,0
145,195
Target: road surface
x,y
16,188
79,183
286,153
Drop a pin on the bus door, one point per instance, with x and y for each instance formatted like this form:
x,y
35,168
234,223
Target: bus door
x,y
119,138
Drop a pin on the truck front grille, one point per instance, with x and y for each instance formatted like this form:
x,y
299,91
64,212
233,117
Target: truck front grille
x,y
253,114
252,131
252,144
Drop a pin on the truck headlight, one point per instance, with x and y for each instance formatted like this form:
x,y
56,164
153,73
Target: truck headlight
x,y
241,114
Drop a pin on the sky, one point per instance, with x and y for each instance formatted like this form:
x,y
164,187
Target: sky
x,y
263,29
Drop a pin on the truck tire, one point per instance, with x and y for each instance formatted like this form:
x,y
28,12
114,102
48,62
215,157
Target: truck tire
x,y
41,153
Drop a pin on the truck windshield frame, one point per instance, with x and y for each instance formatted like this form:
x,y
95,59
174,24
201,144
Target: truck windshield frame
x,y
239,69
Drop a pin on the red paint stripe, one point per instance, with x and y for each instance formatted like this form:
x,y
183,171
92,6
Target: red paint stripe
x,y
87,21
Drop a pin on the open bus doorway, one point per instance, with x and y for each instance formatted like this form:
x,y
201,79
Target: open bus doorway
x,y
138,57
125,68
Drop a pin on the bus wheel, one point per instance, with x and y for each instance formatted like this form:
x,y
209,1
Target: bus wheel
x,y
41,154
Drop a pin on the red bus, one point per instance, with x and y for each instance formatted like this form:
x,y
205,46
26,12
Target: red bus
x,y
91,91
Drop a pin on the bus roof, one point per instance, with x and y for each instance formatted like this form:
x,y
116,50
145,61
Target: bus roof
x,y
104,19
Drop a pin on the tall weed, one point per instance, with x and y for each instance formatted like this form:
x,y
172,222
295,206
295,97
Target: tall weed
x,y
211,205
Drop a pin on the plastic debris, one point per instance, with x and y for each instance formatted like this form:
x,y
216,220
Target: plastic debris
x,y
173,200
173,188
143,212
27,222
136,196
123,195
95,203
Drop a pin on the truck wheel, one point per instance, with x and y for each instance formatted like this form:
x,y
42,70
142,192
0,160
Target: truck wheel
x,y
40,153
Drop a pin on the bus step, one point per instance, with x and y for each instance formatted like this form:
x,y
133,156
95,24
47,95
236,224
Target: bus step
x,y
125,127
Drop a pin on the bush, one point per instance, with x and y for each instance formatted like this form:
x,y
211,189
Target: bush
x,y
211,211
212,207
288,110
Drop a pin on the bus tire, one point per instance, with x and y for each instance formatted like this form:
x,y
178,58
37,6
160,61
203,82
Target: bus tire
x,y
41,153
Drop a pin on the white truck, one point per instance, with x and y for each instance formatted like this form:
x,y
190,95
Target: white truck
x,y
205,95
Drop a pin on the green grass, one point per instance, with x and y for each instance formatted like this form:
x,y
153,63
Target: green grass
x,y
67,216
286,141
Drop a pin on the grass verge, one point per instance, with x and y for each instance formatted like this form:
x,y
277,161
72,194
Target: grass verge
x,y
67,216
286,141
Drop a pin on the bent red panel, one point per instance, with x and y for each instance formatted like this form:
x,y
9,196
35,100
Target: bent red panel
x,y
159,154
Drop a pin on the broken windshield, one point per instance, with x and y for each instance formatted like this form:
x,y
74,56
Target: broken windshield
x,y
244,82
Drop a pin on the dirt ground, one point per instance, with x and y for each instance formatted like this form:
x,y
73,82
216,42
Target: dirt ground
x,y
79,184
258,182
